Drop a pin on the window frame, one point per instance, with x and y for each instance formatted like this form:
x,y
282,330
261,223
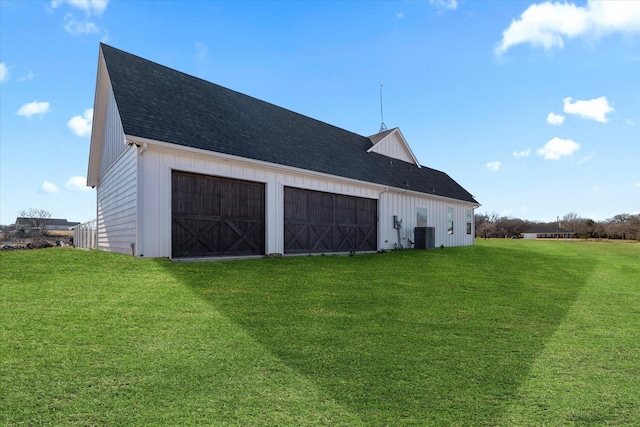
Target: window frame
x,y
422,217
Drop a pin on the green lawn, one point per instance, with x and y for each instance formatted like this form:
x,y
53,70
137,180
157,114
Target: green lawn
x,y
507,332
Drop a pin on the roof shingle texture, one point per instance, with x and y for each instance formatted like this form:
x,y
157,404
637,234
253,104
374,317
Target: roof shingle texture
x,y
162,104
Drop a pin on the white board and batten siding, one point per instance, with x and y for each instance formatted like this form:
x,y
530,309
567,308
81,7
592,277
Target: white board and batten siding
x,y
117,189
157,162
405,206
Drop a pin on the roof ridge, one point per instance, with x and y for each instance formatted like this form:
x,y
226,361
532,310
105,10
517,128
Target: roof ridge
x,y
190,76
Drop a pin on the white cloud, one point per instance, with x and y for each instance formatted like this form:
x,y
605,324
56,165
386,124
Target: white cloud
x,y
48,188
558,147
629,122
594,109
548,24
27,78
521,154
638,184
34,108
399,15
445,4
493,166
81,125
555,119
90,7
586,159
77,28
4,72
77,183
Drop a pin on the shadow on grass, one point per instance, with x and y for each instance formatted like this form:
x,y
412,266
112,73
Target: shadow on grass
x,y
437,337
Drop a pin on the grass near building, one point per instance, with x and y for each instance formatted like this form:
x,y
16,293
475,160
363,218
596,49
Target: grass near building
x,y
507,332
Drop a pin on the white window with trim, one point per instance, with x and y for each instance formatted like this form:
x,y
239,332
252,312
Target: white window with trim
x,y
421,217
450,220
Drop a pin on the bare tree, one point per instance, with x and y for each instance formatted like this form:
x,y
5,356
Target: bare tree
x,y
508,227
634,226
36,219
485,230
571,221
598,229
622,226
484,225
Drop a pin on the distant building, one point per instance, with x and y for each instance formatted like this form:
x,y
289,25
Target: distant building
x,y
50,224
548,233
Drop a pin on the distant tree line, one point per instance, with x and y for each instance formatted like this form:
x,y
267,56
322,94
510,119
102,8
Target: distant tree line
x,y
622,226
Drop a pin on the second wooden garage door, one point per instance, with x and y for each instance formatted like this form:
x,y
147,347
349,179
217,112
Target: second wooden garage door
x,y
317,222
214,216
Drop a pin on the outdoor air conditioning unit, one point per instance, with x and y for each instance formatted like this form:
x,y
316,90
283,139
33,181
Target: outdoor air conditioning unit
x,y
424,237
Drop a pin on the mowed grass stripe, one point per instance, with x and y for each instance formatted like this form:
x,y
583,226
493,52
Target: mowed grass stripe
x,y
92,338
406,337
444,337
589,371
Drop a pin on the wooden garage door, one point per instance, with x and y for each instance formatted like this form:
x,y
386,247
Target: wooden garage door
x,y
325,222
213,216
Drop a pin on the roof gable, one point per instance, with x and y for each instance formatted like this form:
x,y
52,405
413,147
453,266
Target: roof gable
x,y
391,143
161,104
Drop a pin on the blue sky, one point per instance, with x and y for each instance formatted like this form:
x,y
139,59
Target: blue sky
x,y
534,107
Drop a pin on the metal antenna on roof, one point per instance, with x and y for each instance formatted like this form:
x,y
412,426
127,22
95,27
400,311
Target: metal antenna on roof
x,y
383,127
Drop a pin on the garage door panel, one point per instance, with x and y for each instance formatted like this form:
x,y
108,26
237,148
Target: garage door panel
x,y
213,216
238,234
196,237
295,237
345,238
345,210
325,222
320,208
366,237
320,237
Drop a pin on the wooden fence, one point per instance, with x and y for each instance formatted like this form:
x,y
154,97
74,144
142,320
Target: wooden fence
x,y
85,235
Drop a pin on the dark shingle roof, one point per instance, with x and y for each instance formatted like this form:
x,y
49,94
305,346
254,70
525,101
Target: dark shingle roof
x,y
163,104
48,221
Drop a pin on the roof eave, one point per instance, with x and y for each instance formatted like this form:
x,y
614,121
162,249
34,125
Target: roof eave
x,y
147,143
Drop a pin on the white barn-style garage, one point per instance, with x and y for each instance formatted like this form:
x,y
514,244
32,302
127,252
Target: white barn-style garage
x,y
185,168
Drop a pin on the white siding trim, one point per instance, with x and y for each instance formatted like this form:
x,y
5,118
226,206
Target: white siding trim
x,y
117,205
